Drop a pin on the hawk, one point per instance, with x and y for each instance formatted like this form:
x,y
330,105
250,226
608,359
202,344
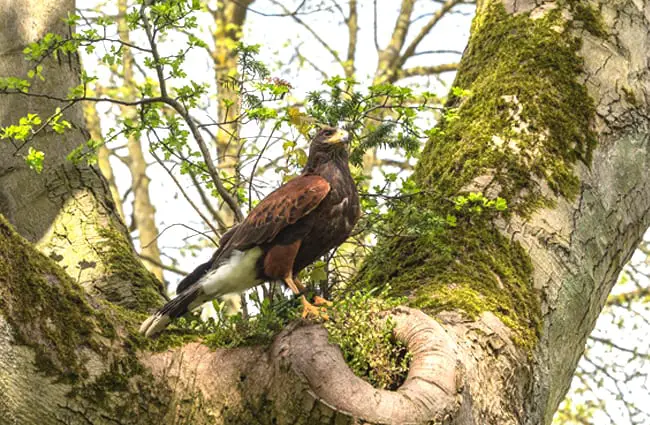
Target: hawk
x,y
289,229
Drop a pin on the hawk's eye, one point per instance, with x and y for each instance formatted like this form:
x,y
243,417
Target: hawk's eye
x,y
328,133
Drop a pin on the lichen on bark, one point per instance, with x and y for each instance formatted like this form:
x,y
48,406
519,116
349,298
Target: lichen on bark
x,y
523,121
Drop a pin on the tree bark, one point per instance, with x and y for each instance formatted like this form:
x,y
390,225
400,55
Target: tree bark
x,y
66,211
103,156
555,122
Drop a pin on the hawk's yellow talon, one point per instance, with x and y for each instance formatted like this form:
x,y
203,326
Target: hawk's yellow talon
x,y
310,311
322,301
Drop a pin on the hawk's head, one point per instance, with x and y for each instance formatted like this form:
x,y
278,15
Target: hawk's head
x,y
329,144
330,138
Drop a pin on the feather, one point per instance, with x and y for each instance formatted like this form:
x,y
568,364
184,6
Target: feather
x,y
201,270
174,308
284,206
235,274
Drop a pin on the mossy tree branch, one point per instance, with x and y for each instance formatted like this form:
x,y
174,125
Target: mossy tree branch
x,y
300,379
530,130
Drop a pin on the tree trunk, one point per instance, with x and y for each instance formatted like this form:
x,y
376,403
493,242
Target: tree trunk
x,y
555,122
229,20
103,156
66,211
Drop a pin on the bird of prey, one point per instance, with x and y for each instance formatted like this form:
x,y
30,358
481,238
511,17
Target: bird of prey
x,y
289,229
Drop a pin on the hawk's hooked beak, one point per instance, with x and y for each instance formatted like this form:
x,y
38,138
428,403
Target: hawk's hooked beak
x,y
341,136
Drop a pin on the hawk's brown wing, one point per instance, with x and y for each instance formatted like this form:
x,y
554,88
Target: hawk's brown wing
x,y
283,207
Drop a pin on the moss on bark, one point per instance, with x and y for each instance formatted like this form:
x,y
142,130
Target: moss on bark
x,y
521,122
590,17
527,118
125,268
47,310
51,314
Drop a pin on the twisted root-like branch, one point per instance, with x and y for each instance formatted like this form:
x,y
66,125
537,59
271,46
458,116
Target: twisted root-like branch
x,y
428,394
303,379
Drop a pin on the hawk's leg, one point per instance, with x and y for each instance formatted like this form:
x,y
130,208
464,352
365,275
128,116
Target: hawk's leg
x,y
278,264
308,309
318,301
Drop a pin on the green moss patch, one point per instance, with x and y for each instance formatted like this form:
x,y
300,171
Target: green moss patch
x,y
527,118
46,309
589,16
366,339
124,266
520,115
470,268
51,314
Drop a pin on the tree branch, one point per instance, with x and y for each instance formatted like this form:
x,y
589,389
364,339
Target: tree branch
x,y
425,30
374,24
196,133
216,215
401,28
353,29
628,297
426,70
163,265
303,364
185,195
318,38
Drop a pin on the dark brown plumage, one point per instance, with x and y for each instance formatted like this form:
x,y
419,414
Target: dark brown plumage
x,y
288,230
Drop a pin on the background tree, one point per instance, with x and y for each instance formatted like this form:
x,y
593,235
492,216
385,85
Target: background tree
x,y
614,368
458,248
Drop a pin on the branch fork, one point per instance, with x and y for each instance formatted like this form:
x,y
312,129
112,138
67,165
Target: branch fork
x,y
429,393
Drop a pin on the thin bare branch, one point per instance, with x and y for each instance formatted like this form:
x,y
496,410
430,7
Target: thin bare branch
x,y
426,29
374,23
309,29
285,13
612,344
185,195
163,266
207,202
426,70
312,64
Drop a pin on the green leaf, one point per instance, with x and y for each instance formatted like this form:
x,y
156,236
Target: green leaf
x,y
35,159
72,19
318,273
460,92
